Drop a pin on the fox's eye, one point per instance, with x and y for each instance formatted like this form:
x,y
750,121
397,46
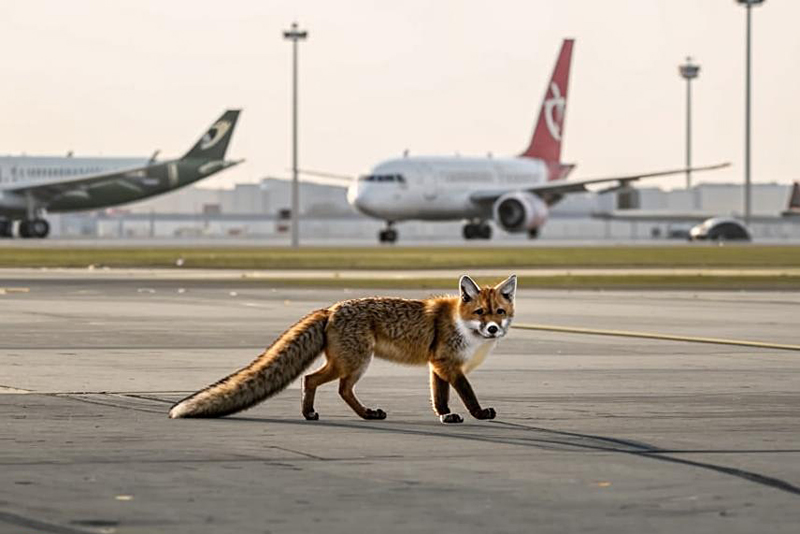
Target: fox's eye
x,y
479,311
501,311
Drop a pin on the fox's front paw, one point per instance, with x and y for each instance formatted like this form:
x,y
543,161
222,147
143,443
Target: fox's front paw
x,y
374,414
450,418
311,416
486,413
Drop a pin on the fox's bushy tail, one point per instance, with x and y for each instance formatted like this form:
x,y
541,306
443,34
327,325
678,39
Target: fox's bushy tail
x,y
268,374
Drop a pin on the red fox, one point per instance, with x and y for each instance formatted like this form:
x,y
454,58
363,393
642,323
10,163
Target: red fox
x,y
453,335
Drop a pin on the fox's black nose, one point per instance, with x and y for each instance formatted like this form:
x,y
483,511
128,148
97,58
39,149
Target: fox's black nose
x,y
492,329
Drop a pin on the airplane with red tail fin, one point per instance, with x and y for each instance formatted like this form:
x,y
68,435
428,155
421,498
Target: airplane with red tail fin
x,y
515,192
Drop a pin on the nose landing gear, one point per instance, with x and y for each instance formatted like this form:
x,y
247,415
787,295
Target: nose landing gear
x,y
388,235
479,230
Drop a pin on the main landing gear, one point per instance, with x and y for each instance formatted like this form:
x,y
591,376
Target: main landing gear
x,y
6,228
479,230
387,235
32,228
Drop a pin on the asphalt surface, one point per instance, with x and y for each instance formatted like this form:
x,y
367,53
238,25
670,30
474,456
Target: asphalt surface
x,y
594,434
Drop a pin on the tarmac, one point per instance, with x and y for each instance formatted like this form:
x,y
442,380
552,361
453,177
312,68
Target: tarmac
x,y
594,433
93,274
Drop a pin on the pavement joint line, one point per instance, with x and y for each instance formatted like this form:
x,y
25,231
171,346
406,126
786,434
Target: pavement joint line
x,y
110,404
38,525
651,335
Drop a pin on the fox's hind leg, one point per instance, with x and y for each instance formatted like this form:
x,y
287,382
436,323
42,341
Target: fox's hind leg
x,y
326,373
348,382
352,354
346,385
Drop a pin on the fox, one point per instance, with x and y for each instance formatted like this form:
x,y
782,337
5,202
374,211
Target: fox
x,y
452,335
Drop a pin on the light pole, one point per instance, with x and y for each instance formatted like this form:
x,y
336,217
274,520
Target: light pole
x,y
689,71
295,35
749,4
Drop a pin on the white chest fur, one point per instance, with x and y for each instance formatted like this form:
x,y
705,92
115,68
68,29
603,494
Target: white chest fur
x,y
476,349
479,354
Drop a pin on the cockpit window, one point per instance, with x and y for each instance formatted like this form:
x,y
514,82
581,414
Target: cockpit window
x,y
397,178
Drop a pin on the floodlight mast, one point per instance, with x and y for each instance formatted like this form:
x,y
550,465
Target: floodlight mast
x,y
689,71
295,35
747,206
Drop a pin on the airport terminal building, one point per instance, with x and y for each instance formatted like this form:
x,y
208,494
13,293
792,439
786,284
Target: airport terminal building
x,y
262,210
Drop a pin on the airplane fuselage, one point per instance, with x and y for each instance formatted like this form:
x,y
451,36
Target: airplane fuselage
x,y
21,171
137,179
440,188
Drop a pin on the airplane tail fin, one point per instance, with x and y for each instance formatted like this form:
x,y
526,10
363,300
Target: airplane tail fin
x,y
794,201
214,143
546,141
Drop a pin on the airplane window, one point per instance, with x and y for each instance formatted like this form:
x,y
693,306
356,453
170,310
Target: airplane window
x,y
382,178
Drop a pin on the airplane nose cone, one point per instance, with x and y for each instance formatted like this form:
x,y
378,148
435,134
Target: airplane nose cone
x,y
354,196
357,197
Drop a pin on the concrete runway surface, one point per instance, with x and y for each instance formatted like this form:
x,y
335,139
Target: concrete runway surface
x,y
594,434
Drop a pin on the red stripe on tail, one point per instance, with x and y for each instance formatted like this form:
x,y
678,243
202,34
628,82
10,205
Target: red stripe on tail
x,y
546,141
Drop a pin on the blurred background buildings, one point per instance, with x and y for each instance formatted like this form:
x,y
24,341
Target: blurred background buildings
x,y
262,210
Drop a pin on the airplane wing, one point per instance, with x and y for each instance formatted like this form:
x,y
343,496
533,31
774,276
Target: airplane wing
x,y
654,215
559,187
687,217
327,178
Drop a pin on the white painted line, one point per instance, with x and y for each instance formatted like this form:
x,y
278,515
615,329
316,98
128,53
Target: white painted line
x,y
649,335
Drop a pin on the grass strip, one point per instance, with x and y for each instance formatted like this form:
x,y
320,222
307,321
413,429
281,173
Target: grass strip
x,y
384,258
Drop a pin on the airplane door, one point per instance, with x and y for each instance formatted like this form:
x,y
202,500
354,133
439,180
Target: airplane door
x,y
430,186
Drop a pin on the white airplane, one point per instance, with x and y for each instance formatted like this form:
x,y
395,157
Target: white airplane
x,y
515,192
31,186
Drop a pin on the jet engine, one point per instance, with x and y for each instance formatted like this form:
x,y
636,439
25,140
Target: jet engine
x,y
520,211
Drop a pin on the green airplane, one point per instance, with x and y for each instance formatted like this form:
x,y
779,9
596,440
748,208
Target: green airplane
x,y
32,186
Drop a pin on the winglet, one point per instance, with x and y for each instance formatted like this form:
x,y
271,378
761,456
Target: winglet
x,y
546,141
214,142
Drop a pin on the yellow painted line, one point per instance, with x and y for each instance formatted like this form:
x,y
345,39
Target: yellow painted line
x,y
649,335
5,290
6,390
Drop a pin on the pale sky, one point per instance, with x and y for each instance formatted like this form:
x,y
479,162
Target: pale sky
x,y
376,77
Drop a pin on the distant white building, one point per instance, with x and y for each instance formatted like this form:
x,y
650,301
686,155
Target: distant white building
x,y
256,210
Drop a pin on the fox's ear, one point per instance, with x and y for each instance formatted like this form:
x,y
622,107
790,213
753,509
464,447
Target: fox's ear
x,y
469,289
508,287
